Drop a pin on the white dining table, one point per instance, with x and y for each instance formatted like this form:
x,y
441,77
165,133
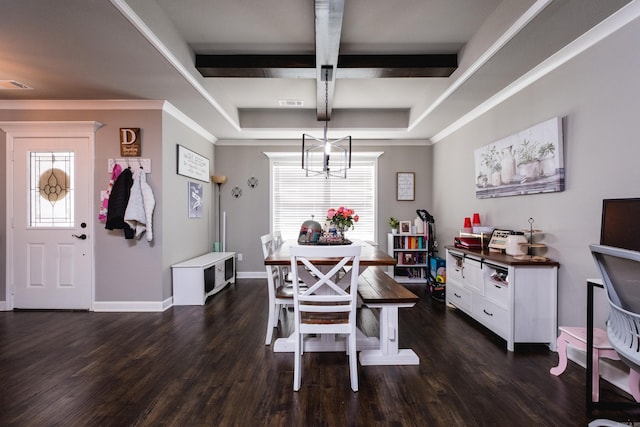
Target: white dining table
x,y
380,350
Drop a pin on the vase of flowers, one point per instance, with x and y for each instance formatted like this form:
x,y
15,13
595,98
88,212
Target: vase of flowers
x,y
342,219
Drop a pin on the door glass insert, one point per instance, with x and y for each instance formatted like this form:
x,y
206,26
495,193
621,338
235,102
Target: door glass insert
x,y
51,194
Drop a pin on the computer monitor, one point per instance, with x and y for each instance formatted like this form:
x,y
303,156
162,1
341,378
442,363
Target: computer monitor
x,y
621,223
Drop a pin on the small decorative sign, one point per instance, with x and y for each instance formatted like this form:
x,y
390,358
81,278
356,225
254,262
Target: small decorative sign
x,y
130,142
192,164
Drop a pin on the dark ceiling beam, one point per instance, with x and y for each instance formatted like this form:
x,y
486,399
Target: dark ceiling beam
x,y
270,66
328,24
328,29
349,66
392,66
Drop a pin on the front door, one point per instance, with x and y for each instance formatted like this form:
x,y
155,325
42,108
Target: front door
x,y
52,246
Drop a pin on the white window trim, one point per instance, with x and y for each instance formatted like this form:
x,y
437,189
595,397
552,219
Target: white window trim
x,y
275,156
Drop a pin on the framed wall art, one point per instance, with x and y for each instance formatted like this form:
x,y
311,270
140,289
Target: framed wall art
x,y
528,162
405,186
405,227
195,200
192,164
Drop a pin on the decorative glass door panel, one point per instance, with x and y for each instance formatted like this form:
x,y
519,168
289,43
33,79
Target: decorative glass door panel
x,y
51,189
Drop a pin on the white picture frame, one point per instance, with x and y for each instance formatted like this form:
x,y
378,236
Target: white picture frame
x,y
405,186
192,164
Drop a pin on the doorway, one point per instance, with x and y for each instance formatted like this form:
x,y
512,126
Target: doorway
x,y
50,215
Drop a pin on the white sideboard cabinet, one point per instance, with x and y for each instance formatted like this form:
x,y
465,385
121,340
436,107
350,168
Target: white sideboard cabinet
x,y
194,280
515,299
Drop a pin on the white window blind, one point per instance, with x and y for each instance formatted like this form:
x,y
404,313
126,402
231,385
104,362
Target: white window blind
x,y
296,197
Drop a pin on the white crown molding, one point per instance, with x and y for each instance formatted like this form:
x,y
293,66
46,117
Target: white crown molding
x,y
511,32
297,143
96,104
187,121
144,29
615,22
109,104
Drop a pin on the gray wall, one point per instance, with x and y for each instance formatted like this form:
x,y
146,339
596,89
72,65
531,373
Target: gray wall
x,y
183,238
135,270
248,215
597,95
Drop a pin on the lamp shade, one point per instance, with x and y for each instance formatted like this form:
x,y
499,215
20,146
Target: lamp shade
x,y
219,179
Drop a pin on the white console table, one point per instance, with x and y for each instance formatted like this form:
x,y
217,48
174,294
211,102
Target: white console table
x,y
194,280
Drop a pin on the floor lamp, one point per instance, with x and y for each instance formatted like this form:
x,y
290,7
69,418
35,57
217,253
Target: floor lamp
x,y
218,180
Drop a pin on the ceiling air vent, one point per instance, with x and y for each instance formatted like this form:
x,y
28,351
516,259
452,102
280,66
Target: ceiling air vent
x,y
12,84
291,103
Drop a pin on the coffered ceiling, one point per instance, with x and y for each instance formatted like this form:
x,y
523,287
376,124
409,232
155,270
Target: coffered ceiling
x,y
148,49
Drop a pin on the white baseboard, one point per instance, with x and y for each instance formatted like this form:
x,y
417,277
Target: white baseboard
x,y
3,306
132,306
251,274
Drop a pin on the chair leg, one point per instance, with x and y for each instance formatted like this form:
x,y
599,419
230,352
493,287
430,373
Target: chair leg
x,y
353,362
634,384
297,363
270,325
595,377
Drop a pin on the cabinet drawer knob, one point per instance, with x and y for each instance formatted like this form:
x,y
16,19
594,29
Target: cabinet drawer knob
x,y
487,313
456,295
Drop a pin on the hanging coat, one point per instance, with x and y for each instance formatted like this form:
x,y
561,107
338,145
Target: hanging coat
x,y
118,200
104,205
140,207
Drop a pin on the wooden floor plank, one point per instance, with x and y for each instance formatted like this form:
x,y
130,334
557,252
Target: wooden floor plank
x,y
208,366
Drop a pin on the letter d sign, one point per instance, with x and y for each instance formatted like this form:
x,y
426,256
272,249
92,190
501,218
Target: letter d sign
x,y
130,142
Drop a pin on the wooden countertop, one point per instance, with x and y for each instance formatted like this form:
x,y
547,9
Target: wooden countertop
x,y
501,258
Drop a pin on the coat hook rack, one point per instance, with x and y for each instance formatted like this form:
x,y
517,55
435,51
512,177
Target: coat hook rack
x,y
133,162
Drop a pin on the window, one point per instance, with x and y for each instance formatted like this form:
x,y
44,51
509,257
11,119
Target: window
x,y
295,197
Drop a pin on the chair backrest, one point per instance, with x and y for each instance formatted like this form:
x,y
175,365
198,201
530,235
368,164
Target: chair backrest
x,y
267,244
620,269
319,267
277,239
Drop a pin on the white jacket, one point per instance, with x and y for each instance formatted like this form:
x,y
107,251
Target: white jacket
x,y
140,207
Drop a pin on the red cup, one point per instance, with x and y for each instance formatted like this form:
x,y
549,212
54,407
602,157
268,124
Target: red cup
x,y
476,219
467,222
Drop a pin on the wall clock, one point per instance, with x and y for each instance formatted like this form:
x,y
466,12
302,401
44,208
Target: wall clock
x,y
405,186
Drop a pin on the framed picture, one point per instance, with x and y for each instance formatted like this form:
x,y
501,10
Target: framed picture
x,y
405,227
405,186
527,162
195,200
192,164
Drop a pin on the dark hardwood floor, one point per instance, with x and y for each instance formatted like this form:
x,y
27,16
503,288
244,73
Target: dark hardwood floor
x,y
208,366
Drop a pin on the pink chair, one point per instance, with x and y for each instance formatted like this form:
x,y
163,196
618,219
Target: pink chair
x,y
577,337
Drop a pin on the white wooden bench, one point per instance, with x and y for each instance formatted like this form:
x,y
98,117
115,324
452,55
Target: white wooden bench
x,y
379,290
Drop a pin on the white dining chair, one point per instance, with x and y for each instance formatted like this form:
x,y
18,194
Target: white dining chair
x,y
282,269
280,293
325,307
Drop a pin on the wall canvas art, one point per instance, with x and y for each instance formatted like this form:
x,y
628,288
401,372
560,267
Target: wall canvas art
x,y
527,162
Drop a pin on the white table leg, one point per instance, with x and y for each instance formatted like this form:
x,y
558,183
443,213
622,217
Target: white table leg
x,y
388,353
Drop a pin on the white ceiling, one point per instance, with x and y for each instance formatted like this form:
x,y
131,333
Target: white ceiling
x,y
145,49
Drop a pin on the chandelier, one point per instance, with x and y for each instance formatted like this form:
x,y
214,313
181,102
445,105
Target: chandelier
x,y
322,156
